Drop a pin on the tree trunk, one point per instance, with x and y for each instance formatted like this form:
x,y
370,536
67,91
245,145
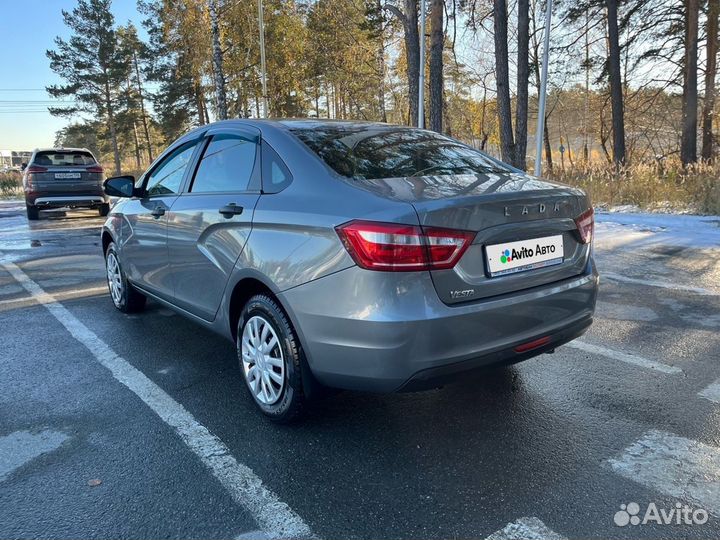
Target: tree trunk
x,y
548,148
412,51
523,75
142,109
507,144
710,74
136,139
437,38
111,126
688,143
616,86
218,63
381,65
202,119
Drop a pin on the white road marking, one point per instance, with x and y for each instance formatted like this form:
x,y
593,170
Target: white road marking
x,y
683,468
252,535
628,358
712,392
62,295
655,283
274,517
526,528
20,447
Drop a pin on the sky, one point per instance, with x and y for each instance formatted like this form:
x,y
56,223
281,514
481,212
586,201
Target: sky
x,y
27,30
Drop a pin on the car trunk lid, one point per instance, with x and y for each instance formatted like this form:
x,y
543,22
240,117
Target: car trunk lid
x,y
502,209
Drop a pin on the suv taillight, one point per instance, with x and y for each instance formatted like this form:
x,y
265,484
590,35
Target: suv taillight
x,y
391,247
95,169
30,173
585,223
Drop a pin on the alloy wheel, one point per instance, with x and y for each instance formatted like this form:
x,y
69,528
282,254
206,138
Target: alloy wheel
x,y
114,277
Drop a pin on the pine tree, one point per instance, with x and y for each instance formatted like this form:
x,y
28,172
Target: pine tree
x,y
92,65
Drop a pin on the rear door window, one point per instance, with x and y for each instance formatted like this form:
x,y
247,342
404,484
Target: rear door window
x,y
226,166
63,158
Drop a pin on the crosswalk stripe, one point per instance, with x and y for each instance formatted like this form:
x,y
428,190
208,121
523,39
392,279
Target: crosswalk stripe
x,y
526,528
682,468
628,358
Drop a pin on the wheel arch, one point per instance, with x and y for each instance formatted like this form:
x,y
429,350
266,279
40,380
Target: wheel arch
x,y
244,289
247,287
106,238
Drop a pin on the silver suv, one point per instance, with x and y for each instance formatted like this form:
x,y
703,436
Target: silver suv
x,y
63,178
352,255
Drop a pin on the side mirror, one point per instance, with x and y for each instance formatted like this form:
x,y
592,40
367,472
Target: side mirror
x,y
120,186
23,166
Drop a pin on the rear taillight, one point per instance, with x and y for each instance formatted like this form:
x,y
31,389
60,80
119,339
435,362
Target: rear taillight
x,y
30,173
95,169
391,247
585,223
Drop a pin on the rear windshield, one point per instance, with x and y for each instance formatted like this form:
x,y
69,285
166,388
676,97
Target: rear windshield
x,y
371,152
60,158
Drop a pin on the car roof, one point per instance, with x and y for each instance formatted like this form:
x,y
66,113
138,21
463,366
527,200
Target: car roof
x,y
289,124
62,150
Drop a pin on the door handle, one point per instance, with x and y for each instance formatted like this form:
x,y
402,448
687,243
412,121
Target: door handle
x,y
158,211
230,210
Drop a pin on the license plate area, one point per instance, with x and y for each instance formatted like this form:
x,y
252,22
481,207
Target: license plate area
x,y
67,176
524,255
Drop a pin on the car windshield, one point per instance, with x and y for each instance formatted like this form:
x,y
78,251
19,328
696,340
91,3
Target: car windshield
x,y
59,158
374,152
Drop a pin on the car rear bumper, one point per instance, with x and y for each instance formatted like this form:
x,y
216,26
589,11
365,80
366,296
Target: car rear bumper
x,y
386,332
82,200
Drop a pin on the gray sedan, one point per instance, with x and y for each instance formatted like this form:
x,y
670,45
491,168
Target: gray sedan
x,y
352,255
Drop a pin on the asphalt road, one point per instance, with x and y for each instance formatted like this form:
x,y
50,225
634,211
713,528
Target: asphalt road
x,y
138,426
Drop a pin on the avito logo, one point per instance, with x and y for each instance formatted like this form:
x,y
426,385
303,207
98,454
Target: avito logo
x,y
524,252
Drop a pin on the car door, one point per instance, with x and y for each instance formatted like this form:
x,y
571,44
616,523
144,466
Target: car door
x,y
145,252
209,224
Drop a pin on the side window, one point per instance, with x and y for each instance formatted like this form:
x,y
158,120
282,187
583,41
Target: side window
x,y
227,165
167,177
276,175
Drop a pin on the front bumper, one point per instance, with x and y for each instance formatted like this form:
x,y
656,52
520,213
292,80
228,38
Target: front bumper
x,y
385,332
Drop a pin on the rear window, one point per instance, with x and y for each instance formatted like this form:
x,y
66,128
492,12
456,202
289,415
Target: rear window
x,y
372,152
59,158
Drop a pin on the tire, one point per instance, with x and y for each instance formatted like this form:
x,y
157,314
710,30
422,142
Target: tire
x,y
104,209
289,399
33,214
124,296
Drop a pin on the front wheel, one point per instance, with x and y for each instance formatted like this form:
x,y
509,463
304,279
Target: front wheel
x,y
270,359
125,297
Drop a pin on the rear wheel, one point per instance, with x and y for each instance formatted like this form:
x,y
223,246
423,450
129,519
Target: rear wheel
x,y
270,359
33,213
104,209
125,297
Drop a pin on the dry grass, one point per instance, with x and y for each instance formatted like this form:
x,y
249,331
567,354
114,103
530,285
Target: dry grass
x,y
10,184
666,187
